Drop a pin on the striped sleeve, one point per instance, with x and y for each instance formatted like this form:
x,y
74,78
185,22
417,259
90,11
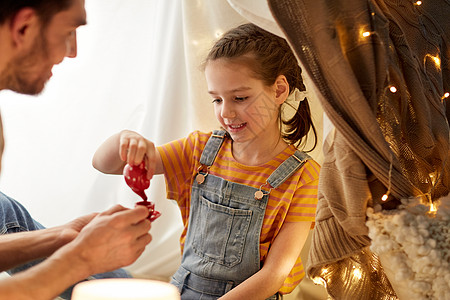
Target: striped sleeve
x,y
180,158
304,201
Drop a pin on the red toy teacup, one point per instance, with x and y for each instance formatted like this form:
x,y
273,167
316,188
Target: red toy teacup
x,y
152,213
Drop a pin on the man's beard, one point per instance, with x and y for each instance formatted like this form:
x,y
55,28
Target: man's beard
x,y
20,74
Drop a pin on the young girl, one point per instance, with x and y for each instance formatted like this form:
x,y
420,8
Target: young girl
x,y
247,195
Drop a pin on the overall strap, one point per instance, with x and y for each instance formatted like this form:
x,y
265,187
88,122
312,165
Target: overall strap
x,y
212,147
287,168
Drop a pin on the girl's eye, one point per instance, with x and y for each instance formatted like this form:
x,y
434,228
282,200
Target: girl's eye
x,y
239,99
217,100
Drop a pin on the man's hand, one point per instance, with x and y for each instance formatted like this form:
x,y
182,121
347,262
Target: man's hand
x,y
112,239
71,230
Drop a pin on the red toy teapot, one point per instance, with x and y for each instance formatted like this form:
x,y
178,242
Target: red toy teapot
x,y
136,178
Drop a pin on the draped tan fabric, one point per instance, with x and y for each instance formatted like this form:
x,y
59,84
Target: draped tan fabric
x,y
382,69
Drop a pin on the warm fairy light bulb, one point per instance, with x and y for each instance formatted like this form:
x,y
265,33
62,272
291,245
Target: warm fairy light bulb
x,y
357,273
366,34
418,3
446,95
432,178
319,281
435,59
433,207
384,197
393,89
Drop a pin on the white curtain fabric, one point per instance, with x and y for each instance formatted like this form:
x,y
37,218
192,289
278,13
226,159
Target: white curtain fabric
x,y
137,68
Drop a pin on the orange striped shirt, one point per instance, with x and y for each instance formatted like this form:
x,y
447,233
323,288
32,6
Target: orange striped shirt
x,y
294,200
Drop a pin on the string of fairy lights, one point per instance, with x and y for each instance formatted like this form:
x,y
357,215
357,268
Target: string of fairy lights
x,y
356,269
393,89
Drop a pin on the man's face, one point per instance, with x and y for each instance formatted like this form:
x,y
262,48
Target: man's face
x,y
31,69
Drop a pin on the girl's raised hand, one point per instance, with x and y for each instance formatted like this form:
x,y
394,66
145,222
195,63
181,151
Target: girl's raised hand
x,y
127,147
134,148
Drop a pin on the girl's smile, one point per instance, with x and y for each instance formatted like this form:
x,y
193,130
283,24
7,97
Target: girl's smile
x,y
235,128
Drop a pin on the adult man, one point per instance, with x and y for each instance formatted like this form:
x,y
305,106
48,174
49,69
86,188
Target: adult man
x,y
34,36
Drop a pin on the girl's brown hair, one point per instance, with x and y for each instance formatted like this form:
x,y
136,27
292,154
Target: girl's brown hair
x,y
269,56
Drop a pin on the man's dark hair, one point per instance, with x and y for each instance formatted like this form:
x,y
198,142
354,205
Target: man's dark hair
x,y
45,9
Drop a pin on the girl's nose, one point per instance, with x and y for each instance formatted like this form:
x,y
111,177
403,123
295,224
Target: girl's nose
x,y
228,111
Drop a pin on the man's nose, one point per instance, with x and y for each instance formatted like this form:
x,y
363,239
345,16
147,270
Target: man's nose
x,y
71,45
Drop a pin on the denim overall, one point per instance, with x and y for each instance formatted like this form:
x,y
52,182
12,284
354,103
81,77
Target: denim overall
x,y
222,241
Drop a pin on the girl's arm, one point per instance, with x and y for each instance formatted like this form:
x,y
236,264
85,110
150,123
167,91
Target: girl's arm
x,y
279,262
127,147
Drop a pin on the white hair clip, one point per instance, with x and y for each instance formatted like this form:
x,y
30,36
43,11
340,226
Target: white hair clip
x,y
296,95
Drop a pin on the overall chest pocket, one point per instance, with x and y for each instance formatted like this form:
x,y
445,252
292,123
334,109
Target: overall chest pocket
x,y
221,232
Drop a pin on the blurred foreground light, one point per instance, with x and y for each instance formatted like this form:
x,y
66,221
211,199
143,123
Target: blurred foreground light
x,y
125,288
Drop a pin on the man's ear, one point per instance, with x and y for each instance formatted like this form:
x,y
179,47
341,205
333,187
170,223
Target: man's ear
x,y
24,26
281,88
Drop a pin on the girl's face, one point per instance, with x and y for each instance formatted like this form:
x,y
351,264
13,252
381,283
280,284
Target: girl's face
x,y
243,105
